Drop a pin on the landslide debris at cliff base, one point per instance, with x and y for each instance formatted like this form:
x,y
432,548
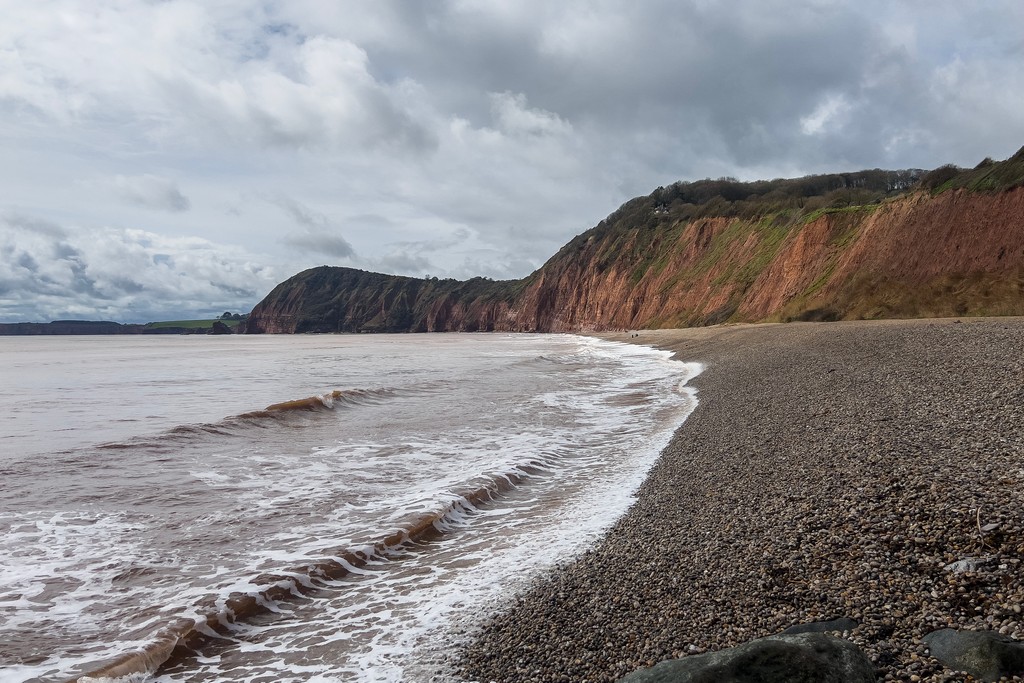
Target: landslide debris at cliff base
x,y
872,470
864,245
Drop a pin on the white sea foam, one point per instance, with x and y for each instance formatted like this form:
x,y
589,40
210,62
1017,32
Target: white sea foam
x,y
569,425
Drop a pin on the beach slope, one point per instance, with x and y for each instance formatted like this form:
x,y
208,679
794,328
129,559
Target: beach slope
x,y
830,470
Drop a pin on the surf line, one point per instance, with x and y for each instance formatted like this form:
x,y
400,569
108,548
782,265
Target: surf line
x,y
183,635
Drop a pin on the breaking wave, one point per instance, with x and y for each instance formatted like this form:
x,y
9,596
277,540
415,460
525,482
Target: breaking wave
x,y
270,589
272,415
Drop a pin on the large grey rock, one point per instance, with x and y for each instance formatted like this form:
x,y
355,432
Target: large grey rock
x,y
986,656
840,624
793,658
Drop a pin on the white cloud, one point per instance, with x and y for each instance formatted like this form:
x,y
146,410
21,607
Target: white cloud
x,y
514,117
829,113
461,136
123,274
320,94
186,72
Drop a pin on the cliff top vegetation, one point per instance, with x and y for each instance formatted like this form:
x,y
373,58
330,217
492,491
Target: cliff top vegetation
x,y
797,200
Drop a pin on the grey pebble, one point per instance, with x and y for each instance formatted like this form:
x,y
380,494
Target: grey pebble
x,y
792,495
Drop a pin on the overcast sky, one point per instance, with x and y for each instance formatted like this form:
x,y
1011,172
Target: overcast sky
x,y
178,158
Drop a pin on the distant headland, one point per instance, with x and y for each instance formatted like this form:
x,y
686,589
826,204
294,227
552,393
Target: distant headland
x,y
229,323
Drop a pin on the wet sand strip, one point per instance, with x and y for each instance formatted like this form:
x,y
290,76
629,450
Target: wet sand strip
x,y
830,469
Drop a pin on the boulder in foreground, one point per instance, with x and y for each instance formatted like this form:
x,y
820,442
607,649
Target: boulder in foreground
x,y
796,658
984,655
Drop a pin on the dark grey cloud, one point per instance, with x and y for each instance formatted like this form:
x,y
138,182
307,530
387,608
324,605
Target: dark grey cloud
x,y
334,246
235,291
452,138
80,282
712,84
457,237
27,262
300,213
32,224
151,191
319,235
630,63
405,262
127,285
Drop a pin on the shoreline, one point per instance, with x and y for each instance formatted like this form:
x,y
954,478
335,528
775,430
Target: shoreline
x,y
829,470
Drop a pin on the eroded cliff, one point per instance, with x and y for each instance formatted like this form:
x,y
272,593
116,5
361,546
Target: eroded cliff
x,y
864,245
334,299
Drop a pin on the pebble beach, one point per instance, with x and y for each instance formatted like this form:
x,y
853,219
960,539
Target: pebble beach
x,y
871,470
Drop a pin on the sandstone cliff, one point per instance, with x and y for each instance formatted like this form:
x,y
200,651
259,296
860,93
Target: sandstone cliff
x,y
862,245
330,299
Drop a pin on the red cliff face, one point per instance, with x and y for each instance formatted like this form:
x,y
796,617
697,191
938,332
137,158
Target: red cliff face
x,y
960,252
956,254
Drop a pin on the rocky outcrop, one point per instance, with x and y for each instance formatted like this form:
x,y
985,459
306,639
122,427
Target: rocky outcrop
x,y
797,658
867,245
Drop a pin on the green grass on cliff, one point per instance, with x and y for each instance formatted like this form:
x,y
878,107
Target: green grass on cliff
x,y
830,210
771,235
643,234
988,176
645,222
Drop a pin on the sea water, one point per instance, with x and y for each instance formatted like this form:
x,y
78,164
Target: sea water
x,y
303,508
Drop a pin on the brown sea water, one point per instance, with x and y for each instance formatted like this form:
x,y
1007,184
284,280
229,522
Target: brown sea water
x,y
311,508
